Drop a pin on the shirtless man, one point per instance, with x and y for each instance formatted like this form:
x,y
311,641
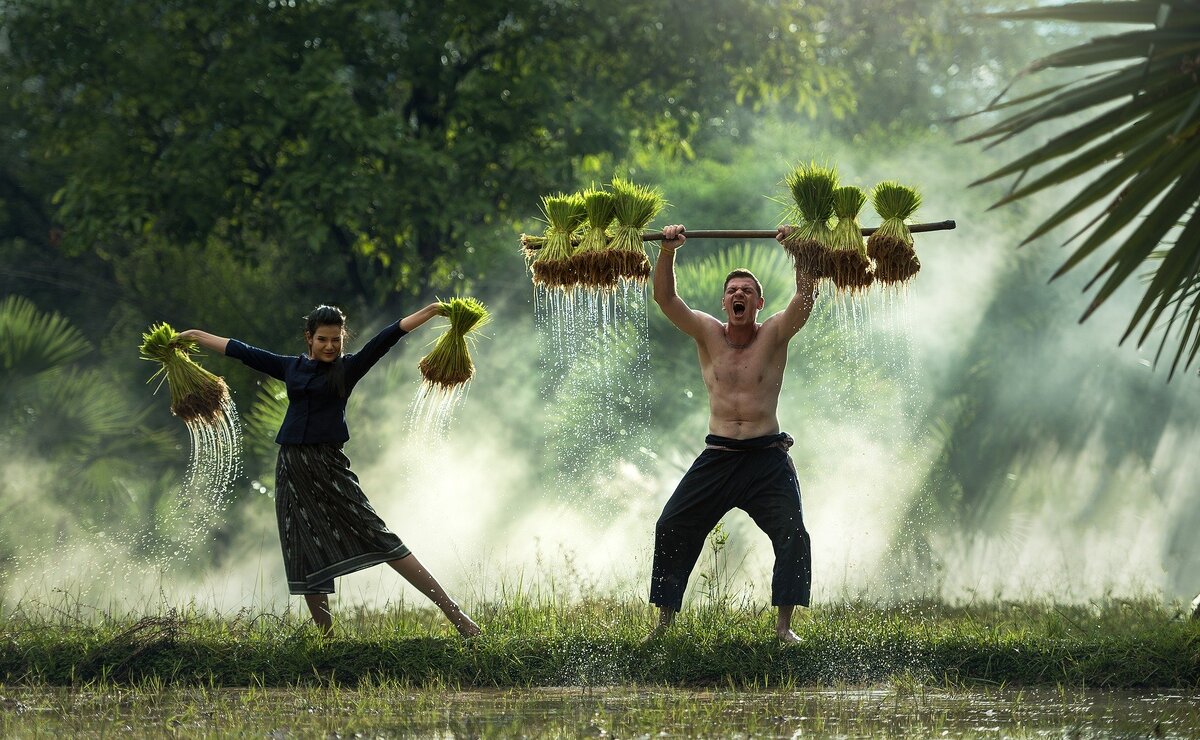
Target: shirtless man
x,y
745,463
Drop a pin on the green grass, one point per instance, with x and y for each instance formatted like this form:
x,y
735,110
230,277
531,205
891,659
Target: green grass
x,y
531,641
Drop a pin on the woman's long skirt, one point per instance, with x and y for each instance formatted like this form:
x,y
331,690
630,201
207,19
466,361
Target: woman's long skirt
x,y
327,527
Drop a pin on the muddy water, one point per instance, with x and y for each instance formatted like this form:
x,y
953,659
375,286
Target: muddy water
x,y
390,711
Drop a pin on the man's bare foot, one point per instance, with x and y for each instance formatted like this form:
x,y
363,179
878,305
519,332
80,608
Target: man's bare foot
x,y
787,637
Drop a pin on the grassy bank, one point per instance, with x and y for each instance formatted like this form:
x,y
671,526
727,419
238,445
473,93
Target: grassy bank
x,y
1117,644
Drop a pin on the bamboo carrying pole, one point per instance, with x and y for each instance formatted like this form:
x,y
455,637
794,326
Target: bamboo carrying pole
x,y
654,236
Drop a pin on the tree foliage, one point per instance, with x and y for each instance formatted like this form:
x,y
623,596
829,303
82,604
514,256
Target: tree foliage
x,y
370,139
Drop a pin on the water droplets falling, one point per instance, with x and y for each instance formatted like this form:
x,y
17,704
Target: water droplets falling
x,y
214,463
434,407
595,358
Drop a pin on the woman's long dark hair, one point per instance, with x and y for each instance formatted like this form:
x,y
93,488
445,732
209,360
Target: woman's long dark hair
x,y
329,316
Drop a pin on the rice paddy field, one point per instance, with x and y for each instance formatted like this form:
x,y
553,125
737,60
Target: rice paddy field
x,y
1124,668
389,709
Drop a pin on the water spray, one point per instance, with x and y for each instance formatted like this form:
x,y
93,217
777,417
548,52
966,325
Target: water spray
x,y
447,370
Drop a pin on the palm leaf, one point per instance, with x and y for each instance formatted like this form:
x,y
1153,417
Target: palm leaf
x,y
1140,11
266,417
1112,123
1142,155
700,281
1123,83
1178,267
1148,234
1138,195
1108,49
1126,167
33,342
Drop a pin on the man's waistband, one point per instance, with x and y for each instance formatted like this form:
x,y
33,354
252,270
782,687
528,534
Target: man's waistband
x,y
782,441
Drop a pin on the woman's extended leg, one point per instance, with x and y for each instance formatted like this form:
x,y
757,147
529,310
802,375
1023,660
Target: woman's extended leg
x,y
318,604
415,573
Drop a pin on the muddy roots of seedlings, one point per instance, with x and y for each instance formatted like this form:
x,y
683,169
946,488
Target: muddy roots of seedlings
x,y
206,402
895,259
633,266
850,271
605,269
560,273
599,269
809,255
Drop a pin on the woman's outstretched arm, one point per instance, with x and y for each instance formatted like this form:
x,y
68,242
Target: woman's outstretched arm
x,y
207,341
415,319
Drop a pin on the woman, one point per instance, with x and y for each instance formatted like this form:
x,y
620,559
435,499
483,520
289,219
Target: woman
x,y
326,525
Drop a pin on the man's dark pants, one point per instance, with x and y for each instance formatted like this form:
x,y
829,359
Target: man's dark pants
x,y
754,475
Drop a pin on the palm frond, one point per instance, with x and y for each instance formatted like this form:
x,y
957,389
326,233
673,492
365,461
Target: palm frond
x,y
33,341
700,281
1137,11
266,417
1140,149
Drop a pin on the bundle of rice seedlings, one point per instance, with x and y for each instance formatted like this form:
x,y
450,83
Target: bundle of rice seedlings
x,y
593,268
551,266
531,245
635,206
811,186
196,394
449,363
849,267
891,246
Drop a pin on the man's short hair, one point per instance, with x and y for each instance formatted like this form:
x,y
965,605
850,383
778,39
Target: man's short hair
x,y
742,272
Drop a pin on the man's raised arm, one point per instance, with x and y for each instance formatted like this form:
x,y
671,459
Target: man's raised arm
x,y
687,320
796,313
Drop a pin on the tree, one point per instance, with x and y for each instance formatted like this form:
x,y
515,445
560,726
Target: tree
x,y
1138,147
372,137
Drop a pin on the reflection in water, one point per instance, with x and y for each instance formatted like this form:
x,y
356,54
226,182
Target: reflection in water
x,y
391,709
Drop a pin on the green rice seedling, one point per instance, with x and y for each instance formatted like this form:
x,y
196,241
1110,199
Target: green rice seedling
x,y
590,260
891,246
564,215
811,186
635,206
196,394
850,269
449,363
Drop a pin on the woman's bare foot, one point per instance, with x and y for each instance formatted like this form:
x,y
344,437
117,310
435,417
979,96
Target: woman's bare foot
x,y
658,631
666,618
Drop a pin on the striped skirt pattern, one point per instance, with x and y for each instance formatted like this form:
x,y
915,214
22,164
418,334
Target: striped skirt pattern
x,y
327,527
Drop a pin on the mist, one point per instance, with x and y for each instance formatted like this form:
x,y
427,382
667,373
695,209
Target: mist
x,y
965,439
